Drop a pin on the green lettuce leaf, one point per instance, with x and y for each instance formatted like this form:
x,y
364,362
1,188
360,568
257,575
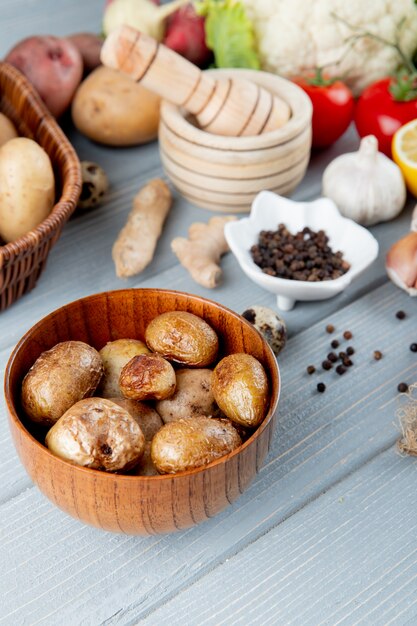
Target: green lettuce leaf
x,y
229,33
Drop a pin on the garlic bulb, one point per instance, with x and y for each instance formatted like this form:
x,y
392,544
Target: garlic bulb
x,y
401,262
365,185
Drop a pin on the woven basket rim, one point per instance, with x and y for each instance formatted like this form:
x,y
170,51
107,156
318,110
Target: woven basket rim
x,y
71,183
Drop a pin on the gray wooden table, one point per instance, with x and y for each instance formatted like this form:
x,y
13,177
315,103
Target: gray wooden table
x,y
327,532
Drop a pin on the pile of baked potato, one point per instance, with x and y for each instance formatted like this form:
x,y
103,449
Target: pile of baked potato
x,y
146,407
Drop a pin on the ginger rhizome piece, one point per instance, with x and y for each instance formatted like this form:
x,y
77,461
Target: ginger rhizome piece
x,y
200,253
135,246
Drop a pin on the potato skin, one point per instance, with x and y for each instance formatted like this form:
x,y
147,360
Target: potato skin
x,y
193,396
147,377
112,109
59,378
7,129
183,338
148,419
240,388
27,186
115,355
99,434
146,466
191,443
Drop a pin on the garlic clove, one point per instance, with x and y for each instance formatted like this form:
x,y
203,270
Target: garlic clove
x,y
401,263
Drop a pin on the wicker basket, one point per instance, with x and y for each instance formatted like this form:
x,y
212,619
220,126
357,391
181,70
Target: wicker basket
x,y
22,261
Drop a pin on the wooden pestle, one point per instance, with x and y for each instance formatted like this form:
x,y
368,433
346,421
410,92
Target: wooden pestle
x,y
223,106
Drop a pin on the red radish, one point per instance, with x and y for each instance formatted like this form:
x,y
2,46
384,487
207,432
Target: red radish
x,y
53,65
185,34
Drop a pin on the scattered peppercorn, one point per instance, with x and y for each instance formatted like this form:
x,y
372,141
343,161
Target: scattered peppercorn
x,y
413,347
378,355
347,362
342,355
326,365
330,329
340,369
400,315
350,350
304,256
347,334
332,357
335,344
311,369
321,387
402,387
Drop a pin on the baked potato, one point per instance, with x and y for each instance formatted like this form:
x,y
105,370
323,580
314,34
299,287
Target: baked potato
x,y
193,396
60,377
115,355
240,388
147,377
183,338
147,418
99,434
191,443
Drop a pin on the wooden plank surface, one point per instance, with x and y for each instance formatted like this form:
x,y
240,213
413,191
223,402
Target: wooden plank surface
x,y
57,571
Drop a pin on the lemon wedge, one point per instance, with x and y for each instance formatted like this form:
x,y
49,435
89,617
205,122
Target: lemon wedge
x,y
404,153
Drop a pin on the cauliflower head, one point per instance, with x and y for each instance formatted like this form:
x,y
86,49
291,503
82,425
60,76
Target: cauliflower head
x,y
295,36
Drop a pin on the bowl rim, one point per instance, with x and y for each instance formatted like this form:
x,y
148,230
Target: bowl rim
x,y
71,183
173,117
13,415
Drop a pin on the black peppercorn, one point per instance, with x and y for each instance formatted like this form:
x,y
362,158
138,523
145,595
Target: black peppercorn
x,y
400,315
335,344
340,369
350,350
402,387
330,329
347,334
347,362
326,365
413,347
342,355
332,357
311,369
378,355
321,387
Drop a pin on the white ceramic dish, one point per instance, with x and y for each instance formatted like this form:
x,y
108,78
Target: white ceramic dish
x,y
359,247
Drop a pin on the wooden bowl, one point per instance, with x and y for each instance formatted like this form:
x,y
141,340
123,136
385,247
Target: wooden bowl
x,y
226,173
135,504
22,261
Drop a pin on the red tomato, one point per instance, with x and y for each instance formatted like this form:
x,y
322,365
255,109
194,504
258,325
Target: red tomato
x,y
378,113
333,107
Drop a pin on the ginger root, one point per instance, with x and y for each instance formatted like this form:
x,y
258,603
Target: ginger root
x,y
135,246
200,253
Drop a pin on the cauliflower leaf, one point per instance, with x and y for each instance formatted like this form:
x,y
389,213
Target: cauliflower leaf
x,y
229,33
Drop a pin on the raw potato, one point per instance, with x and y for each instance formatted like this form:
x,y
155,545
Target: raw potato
x,y
7,129
99,434
135,245
54,67
240,388
182,337
147,418
193,396
59,378
89,46
147,377
27,187
115,355
94,186
188,444
112,109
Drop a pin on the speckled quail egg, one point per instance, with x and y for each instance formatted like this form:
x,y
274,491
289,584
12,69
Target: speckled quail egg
x,y
94,186
269,324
